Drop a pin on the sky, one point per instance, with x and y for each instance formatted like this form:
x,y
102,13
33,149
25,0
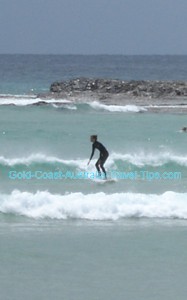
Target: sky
x,y
93,27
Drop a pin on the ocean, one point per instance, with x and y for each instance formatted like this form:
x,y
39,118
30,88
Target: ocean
x,y
65,233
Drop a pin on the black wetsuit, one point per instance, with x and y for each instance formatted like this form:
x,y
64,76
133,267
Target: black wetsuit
x,y
102,158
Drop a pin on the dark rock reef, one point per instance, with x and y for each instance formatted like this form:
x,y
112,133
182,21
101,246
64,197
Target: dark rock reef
x,y
155,96
132,89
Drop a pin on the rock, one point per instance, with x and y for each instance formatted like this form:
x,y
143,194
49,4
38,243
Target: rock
x,y
104,88
40,103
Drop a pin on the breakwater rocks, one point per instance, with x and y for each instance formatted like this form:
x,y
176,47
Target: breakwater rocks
x,y
105,88
154,96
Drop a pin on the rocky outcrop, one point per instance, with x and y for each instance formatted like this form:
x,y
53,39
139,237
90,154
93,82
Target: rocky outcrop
x,y
132,89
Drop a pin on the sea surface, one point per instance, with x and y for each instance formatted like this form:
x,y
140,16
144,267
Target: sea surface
x,y
64,232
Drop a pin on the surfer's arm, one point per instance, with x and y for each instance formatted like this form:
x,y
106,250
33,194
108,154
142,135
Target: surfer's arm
x,y
92,154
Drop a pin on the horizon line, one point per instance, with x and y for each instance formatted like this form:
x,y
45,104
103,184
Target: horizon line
x,y
97,54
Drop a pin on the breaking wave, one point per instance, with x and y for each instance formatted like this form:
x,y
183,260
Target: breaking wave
x,y
99,206
115,160
117,108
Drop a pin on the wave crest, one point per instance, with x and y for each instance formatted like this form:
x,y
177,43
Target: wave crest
x,y
115,160
117,108
99,206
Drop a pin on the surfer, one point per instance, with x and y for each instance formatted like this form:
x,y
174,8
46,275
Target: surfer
x,y
103,155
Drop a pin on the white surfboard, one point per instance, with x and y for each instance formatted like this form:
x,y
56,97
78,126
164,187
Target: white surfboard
x,y
103,181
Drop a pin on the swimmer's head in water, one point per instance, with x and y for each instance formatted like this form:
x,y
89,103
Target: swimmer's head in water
x,y
184,129
93,138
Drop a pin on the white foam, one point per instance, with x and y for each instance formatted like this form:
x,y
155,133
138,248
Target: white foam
x,y
138,159
99,206
40,158
16,96
20,100
166,106
142,159
117,108
70,107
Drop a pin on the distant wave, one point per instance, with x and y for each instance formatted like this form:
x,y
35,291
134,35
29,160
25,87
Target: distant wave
x,y
99,206
117,108
27,100
17,96
64,104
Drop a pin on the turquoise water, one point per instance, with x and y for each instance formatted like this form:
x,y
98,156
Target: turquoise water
x,y
53,139
80,238
93,261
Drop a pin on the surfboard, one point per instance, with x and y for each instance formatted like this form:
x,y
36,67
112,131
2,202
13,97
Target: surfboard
x,y
103,181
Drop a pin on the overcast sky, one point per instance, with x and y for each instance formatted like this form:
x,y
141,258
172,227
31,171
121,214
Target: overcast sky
x,y
93,26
